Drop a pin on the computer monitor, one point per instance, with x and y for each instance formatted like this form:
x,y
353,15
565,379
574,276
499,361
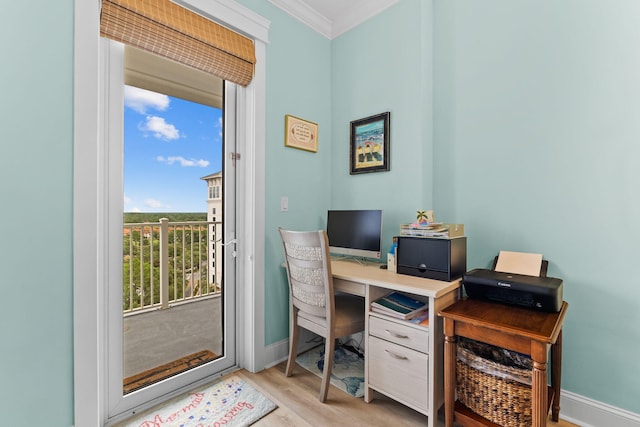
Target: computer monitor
x,y
355,232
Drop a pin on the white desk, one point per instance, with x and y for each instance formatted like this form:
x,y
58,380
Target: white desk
x,y
402,360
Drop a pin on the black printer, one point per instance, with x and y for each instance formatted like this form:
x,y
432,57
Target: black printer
x,y
538,293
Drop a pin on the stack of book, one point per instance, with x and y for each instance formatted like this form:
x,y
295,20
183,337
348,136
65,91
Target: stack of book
x,y
400,305
421,319
432,229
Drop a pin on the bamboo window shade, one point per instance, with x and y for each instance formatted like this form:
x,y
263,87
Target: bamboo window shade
x,y
174,32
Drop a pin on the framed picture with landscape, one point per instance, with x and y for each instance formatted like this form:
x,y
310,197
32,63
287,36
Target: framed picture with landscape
x,y
369,147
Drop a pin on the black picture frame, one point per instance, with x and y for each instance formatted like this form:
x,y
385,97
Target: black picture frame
x,y
369,147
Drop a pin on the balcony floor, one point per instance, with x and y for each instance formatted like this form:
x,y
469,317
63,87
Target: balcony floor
x,y
157,337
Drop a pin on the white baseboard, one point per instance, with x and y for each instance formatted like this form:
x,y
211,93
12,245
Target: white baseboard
x,y
278,352
587,412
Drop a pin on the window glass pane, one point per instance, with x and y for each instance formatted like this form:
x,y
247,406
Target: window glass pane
x,y
171,295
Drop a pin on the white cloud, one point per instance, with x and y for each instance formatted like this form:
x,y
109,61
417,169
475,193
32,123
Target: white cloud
x,y
140,100
153,203
183,162
128,201
160,129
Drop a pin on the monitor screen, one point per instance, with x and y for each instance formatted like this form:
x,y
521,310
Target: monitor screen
x,y
355,232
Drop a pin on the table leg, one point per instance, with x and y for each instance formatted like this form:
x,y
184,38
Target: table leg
x,y
556,375
539,384
449,371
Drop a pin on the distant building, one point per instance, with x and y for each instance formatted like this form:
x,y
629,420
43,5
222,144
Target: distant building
x,y
215,214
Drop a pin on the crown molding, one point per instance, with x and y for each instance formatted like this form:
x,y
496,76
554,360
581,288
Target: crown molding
x,y
307,15
357,13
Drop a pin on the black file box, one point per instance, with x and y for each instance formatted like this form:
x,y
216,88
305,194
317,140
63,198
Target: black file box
x,y
440,259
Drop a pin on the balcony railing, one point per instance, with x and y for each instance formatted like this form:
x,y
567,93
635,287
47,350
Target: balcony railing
x,y
166,263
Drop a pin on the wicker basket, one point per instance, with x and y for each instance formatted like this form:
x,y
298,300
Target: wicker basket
x,y
497,391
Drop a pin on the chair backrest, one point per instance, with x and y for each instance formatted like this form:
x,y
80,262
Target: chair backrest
x,y
309,271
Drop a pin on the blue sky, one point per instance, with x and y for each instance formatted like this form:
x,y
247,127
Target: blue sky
x,y
169,144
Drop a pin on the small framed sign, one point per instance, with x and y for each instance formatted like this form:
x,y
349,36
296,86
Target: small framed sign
x,y
299,133
369,148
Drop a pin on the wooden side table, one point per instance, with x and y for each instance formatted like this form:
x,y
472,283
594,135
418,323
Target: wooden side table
x,y
514,328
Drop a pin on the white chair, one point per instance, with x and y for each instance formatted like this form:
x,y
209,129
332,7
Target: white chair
x,y
312,303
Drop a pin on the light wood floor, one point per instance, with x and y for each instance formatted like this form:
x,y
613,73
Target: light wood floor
x,y
298,404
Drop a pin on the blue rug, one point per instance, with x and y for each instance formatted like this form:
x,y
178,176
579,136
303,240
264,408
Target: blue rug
x,y
348,368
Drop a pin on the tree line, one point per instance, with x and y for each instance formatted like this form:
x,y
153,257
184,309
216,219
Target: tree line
x,y
137,217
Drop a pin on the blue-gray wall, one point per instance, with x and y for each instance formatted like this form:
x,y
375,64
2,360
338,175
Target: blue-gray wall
x,y
386,65
36,190
298,83
537,143
516,118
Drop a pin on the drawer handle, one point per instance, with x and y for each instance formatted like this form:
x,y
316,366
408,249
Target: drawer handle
x,y
395,334
396,356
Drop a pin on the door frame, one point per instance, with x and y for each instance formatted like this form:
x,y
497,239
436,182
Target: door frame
x,y
91,199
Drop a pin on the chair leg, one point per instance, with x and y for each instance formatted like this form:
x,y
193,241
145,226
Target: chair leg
x,y
293,344
329,349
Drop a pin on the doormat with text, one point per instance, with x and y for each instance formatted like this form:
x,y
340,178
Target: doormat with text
x,y
231,402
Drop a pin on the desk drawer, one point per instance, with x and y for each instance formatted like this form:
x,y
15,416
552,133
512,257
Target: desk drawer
x,y
353,288
416,338
399,372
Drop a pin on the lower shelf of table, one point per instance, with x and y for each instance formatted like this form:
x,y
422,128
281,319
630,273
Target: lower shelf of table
x,y
467,418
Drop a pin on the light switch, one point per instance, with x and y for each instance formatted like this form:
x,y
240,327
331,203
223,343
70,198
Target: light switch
x,y
284,204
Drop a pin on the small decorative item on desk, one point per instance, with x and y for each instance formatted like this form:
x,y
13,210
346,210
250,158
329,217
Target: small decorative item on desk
x,y
391,256
425,217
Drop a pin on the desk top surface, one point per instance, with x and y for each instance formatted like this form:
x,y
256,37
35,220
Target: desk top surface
x,y
537,325
372,274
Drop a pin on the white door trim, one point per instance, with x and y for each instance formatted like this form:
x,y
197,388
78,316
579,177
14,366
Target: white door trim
x,y
89,212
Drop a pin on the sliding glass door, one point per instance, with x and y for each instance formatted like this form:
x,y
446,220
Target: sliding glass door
x,y
171,218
